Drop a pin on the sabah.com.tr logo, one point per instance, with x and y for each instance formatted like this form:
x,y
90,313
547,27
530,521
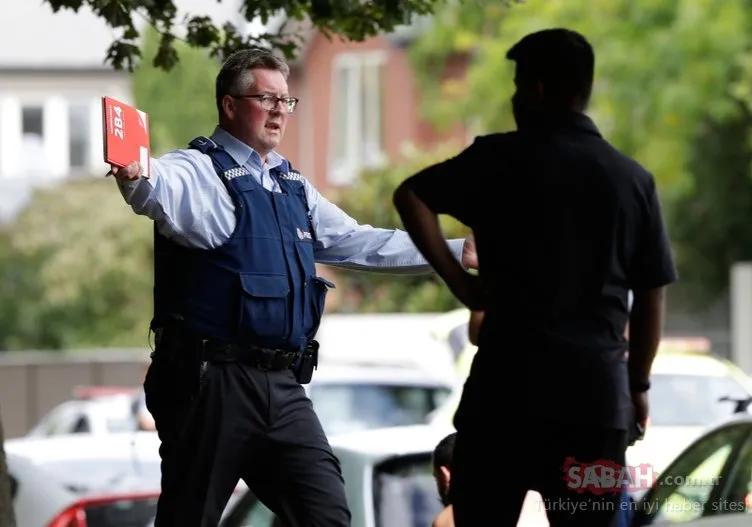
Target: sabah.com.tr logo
x,y
606,477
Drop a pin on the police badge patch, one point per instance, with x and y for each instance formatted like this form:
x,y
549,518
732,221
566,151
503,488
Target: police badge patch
x,y
292,175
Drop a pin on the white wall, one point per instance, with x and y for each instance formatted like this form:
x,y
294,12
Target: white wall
x,y
54,93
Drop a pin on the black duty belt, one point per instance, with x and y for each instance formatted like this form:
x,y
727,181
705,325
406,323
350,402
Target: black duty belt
x,y
266,359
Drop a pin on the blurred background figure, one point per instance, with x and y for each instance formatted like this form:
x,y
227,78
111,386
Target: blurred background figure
x,y
442,473
144,419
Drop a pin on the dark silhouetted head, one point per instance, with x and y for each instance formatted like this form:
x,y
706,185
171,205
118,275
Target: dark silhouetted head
x,y
442,461
553,73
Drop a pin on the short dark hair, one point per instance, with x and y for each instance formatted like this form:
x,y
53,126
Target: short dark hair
x,y
442,454
233,78
562,59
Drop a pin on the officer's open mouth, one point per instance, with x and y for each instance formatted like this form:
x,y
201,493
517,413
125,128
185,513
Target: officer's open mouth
x,y
272,126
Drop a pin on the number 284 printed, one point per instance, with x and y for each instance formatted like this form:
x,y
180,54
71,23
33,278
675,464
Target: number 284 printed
x,y
117,122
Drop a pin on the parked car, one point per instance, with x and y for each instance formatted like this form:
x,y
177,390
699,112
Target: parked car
x,y
692,389
97,411
87,462
388,481
41,500
346,394
93,471
357,396
709,484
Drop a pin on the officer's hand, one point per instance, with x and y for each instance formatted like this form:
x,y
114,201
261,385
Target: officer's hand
x,y
469,255
130,172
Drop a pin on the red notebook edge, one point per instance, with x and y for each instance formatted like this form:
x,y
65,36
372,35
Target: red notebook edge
x,y
125,134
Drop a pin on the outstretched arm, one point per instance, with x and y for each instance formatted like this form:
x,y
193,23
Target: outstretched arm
x,y
342,242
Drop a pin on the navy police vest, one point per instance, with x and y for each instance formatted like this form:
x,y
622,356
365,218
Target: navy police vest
x,y
260,287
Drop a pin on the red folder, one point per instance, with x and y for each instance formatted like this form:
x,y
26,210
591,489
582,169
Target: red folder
x,y
126,134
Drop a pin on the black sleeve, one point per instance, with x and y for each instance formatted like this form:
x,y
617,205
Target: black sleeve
x,y
652,264
451,187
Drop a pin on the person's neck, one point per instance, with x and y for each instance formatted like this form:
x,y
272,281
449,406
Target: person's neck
x,y
549,117
262,153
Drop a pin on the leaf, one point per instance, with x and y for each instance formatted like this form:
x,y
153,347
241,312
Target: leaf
x,y
350,20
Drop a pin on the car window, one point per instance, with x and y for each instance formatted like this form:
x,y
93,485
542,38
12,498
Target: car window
x,y
686,489
59,420
81,426
738,497
122,513
343,407
405,493
692,400
250,512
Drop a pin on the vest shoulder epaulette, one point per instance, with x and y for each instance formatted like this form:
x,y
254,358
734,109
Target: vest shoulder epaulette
x,y
203,144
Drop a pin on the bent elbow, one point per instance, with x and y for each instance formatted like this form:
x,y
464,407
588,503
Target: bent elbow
x,y
401,195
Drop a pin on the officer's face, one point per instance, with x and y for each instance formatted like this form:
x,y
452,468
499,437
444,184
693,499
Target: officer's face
x,y
256,126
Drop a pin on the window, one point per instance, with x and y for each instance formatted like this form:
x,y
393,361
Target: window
x,y
405,492
343,407
692,400
32,121
33,157
357,106
689,488
739,496
79,135
81,426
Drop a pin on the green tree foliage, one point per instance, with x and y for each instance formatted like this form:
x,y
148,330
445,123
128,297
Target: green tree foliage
x,y
370,202
180,103
76,271
713,222
670,76
348,19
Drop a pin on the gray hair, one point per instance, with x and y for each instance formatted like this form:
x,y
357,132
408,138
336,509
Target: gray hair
x,y
236,78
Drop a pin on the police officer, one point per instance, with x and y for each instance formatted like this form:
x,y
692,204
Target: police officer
x,y
237,303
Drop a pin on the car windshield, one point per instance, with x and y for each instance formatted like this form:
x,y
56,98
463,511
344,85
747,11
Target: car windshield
x,y
122,513
90,475
405,493
345,407
692,400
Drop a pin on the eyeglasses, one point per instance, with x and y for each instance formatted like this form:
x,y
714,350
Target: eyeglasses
x,y
270,102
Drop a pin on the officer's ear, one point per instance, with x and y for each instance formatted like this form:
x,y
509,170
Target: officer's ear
x,y
228,106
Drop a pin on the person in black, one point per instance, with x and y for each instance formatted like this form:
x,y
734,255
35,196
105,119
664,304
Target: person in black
x,y
565,225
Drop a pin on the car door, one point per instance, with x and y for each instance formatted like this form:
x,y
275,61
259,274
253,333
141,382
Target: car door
x,y
696,488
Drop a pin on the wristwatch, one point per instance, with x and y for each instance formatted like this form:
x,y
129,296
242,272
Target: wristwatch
x,y
639,387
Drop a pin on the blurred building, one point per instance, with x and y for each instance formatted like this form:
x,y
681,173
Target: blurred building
x,y
360,103
52,76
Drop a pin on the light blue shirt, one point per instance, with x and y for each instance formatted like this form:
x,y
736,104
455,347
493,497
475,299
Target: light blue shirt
x,y
191,206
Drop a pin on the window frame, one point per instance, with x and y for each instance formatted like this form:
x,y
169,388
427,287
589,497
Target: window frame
x,y
344,170
648,506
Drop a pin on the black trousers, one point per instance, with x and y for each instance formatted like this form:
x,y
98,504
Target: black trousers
x,y
491,475
259,426
170,386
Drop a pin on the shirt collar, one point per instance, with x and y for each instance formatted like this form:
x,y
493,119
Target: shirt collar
x,y
568,121
241,152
